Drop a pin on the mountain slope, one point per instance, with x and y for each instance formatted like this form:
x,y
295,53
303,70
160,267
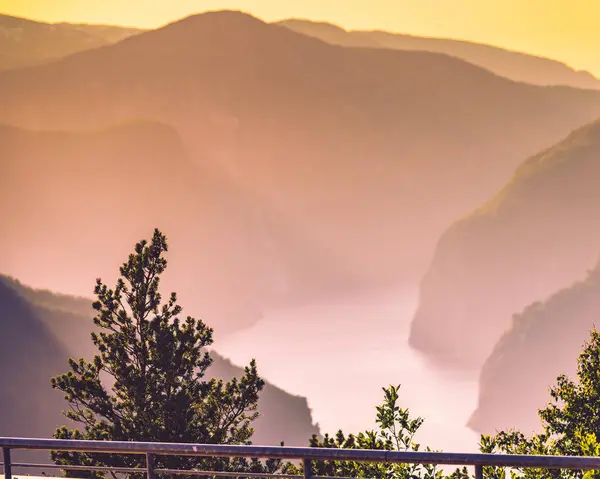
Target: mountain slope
x,y
25,42
510,64
40,332
84,197
538,234
31,355
542,342
74,202
368,153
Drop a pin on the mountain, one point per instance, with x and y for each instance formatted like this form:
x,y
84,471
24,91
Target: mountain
x,y
76,190
542,342
536,235
31,355
359,156
40,330
510,64
25,42
85,197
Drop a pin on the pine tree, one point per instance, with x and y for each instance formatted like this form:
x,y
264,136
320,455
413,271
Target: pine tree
x,y
146,383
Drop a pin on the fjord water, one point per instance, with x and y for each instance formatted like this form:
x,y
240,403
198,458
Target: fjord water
x,y
339,354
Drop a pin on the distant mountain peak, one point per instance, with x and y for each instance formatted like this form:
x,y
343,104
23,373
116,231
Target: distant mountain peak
x,y
235,18
291,22
11,21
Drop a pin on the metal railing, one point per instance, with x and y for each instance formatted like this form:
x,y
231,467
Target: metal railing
x,y
306,454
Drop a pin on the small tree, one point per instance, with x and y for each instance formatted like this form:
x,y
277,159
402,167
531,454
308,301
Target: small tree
x,y
396,432
570,422
147,381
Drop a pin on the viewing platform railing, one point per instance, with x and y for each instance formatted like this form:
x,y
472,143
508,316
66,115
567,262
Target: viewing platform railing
x,y
305,454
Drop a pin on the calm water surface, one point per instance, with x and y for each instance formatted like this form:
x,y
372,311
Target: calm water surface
x,y
340,354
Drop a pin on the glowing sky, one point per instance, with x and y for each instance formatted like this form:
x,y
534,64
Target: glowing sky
x,y
567,30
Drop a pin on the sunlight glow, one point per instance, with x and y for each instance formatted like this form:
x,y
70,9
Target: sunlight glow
x,y
566,30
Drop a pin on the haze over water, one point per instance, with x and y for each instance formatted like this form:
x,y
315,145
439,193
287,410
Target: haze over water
x,y
341,353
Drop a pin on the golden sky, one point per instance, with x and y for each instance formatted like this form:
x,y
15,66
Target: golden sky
x,y
567,30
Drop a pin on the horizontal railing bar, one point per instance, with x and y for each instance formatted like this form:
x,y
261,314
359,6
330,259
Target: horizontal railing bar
x,y
241,474
79,468
190,472
310,453
164,471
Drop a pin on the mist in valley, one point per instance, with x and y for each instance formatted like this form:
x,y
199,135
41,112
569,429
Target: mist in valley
x,y
339,354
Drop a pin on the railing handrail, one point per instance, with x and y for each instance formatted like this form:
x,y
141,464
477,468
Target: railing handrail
x,y
304,453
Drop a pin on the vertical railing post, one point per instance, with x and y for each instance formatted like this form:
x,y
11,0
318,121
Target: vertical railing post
x,y
478,471
307,468
7,463
150,466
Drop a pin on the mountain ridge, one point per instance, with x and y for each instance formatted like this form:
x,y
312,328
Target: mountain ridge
x,y
73,187
535,235
526,358
516,65
241,255
84,36
25,42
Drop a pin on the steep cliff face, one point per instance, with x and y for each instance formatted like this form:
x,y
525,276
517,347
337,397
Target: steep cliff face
x,y
542,342
41,330
539,233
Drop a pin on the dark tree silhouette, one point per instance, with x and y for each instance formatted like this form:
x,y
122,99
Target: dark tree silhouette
x,y
146,383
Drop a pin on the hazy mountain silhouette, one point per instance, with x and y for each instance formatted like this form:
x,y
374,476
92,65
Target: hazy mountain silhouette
x,y
30,355
542,342
510,64
368,152
91,195
40,330
539,233
26,42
